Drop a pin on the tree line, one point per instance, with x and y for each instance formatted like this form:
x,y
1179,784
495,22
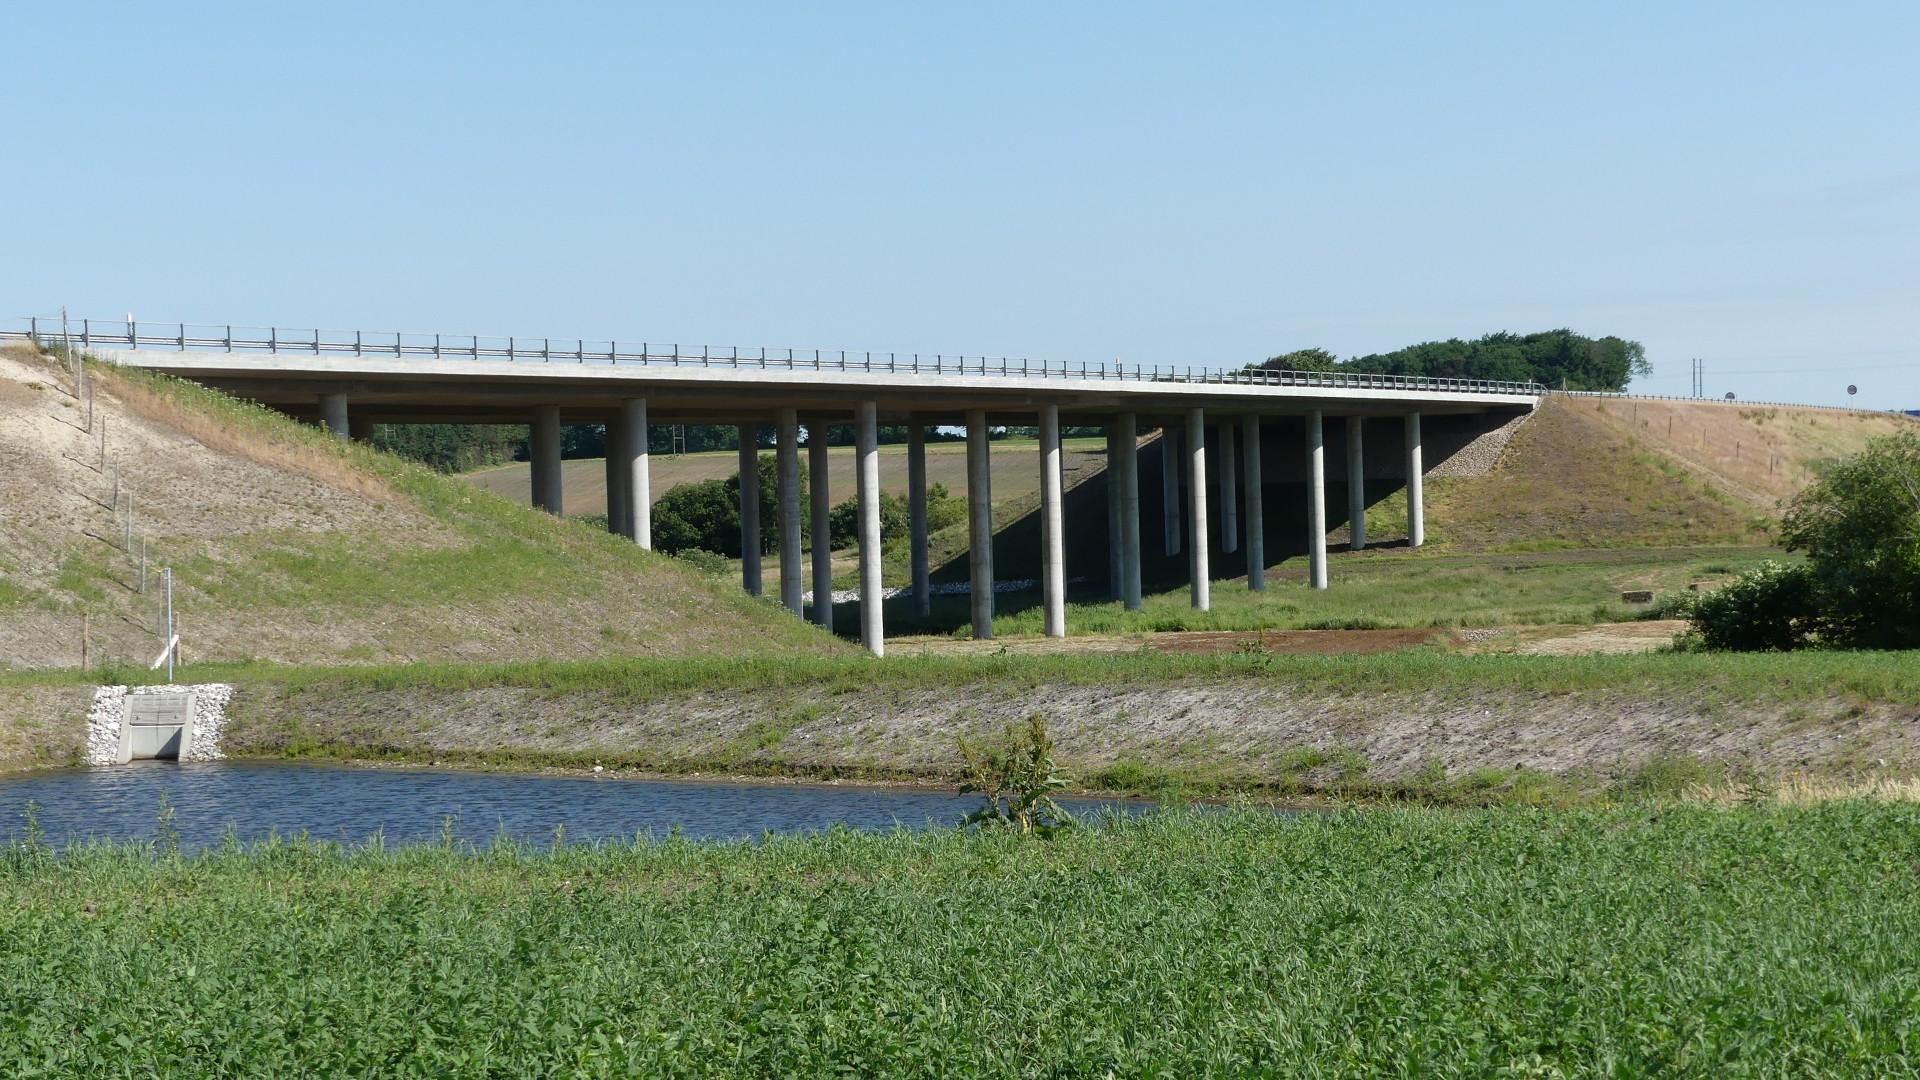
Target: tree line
x,y
1557,359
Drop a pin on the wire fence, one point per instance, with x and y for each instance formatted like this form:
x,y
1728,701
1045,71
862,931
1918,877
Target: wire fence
x,y
400,344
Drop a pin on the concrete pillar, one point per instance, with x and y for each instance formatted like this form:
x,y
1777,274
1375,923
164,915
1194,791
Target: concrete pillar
x,y
750,508
1256,505
546,460
867,465
1115,589
1416,476
1053,563
1128,439
360,427
1356,483
1316,502
917,513
980,523
639,476
333,410
822,526
1201,588
619,521
787,470
1229,489
1170,489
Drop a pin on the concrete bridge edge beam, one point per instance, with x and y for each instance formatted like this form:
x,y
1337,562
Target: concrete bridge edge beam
x,y
1256,505
820,494
1201,586
1416,477
1128,439
1356,483
867,440
1053,548
917,513
750,509
788,481
979,524
1316,501
638,473
333,412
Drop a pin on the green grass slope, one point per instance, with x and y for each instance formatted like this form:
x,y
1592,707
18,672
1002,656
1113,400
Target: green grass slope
x,y
289,545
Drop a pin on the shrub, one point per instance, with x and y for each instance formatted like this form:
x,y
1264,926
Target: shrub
x,y
1770,608
1859,524
1017,778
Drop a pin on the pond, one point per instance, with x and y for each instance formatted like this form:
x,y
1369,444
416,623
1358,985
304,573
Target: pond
x,y
347,803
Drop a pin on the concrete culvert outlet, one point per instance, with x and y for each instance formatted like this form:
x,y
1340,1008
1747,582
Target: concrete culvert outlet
x,y
171,723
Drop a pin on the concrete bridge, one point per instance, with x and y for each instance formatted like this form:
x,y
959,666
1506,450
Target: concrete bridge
x,y
351,380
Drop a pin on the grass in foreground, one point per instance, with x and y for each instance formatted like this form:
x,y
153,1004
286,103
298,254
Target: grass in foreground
x,y
1654,938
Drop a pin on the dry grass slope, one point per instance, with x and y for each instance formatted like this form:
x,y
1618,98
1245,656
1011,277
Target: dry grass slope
x,y
1592,473
292,546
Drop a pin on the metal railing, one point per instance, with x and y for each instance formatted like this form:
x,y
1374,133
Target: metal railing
x,y
1729,402
403,344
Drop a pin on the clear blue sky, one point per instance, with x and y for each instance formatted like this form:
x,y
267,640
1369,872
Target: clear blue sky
x,y
1166,183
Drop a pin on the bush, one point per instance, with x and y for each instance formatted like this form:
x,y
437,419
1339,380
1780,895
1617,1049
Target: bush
x,y
1770,608
943,510
706,515
1860,527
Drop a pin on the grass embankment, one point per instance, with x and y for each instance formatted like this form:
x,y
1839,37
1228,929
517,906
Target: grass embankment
x,y
1423,725
1650,939
288,544
1395,588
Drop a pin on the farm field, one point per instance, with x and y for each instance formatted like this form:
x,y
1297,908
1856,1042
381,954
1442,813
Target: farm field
x,y
1646,938
1015,467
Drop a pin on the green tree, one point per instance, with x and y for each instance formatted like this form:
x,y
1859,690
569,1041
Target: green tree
x,y
1559,359
1859,524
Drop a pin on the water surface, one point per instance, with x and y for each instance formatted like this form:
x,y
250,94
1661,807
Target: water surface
x,y
350,803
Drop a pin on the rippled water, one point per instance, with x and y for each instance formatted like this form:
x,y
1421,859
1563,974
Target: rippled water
x,y
347,803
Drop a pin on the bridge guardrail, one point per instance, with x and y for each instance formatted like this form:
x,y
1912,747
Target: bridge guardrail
x,y
403,344
1736,402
